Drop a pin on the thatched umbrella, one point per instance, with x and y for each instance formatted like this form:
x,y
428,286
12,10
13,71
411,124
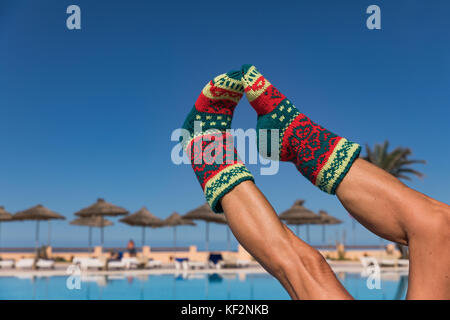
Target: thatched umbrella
x,y
174,220
102,208
4,216
299,215
38,213
205,213
91,222
326,219
143,218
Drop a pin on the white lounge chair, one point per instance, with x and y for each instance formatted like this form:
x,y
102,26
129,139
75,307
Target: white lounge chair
x,y
387,262
131,262
153,264
25,263
86,262
183,265
45,264
196,265
403,262
117,264
217,265
6,263
242,263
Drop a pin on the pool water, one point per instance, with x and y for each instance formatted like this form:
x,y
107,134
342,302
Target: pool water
x,y
188,286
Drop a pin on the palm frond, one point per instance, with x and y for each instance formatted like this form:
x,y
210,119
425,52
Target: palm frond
x,y
396,162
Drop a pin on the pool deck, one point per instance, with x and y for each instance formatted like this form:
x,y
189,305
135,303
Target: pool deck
x,y
61,270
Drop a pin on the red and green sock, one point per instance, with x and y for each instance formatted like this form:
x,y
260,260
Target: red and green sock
x,y
323,157
210,147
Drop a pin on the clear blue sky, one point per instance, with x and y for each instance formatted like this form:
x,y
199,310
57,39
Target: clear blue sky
x,y
89,113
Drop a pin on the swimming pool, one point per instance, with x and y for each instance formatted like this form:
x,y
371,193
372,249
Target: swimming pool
x,y
221,286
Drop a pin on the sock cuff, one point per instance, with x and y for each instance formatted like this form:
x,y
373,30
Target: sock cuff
x,y
223,182
337,165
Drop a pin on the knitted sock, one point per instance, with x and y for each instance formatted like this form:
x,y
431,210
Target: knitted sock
x,y
210,147
323,157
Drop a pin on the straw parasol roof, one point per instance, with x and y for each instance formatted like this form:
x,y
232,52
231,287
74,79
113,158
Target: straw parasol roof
x,y
205,213
143,218
5,215
102,208
175,219
91,222
298,212
38,212
327,219
94,222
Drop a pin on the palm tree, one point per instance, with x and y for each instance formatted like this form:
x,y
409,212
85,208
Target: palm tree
x,y
397,163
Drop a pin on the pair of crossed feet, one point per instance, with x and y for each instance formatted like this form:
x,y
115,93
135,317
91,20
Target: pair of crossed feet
x,y
321,156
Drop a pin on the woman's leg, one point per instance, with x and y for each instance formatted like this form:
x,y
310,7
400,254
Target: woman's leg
x,y
395,212
301,269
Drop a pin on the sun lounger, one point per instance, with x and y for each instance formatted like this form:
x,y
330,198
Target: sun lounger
x,y
6,263
25,263
45,264
387,262
242,263
196,265
215,260
86,262
153,264
403,262
131,262
181,263
116,264
394,262
124,263
233,263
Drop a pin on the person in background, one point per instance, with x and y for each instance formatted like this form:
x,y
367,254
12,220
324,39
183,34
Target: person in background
x,y
131,248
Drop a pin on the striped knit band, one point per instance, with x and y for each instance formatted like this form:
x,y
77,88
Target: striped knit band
x,y
223,182
337,165
220,95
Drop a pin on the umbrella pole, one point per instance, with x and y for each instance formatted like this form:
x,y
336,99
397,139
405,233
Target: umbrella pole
x,y
0,236
174,241
207,236
49,233
296,230
143,236
102,235
307,232
37,236
90,240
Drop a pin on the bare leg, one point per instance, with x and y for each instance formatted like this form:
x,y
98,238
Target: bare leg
x,y
393,211
301,269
